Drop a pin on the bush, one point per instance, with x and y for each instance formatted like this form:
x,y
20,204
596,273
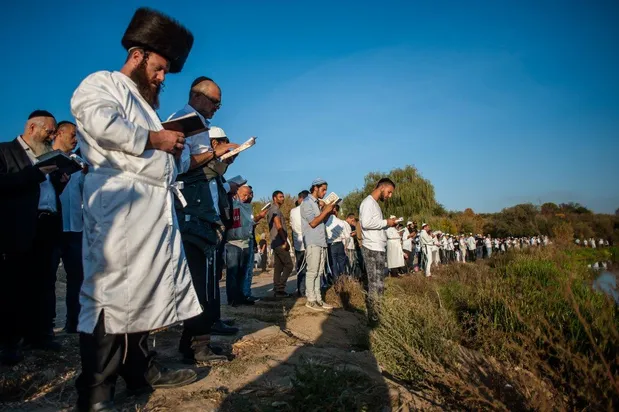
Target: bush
x,y
534,309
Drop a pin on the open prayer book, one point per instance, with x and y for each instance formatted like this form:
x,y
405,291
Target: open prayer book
x,y
190,124
66,163
241,148
332,198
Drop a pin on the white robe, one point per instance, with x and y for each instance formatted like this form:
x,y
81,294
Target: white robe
x,y
395,255
134,263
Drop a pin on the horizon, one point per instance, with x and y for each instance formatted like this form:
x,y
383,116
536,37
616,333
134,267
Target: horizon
x,y
496,105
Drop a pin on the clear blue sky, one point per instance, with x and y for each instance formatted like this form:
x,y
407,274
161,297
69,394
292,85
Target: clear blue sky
x,y
495,102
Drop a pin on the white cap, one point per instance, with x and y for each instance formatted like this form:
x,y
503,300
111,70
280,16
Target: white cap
x,y
425,224
409,223
391,217
215,132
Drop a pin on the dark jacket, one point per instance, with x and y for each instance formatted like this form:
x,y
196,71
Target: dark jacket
x,y
19,199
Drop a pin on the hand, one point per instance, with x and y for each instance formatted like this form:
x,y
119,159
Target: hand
x,y
222,149
263,213
353,234
167,140
391,222
233,188
85,169
330,207
286,247
64,178
48,169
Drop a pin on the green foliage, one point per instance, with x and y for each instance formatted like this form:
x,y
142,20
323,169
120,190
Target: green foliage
x,y
414,195
262,228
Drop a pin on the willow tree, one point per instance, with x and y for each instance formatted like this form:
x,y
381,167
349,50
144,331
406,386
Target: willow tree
x,y
412,199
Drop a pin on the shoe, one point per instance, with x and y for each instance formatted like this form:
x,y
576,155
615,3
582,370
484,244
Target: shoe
x,y
11,356
281,295
253,299
217,350
160,377
70,329
229,322
246,302
220,328
324,305
314,306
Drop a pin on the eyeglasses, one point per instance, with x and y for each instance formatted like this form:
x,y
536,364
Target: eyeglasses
x,y
216,103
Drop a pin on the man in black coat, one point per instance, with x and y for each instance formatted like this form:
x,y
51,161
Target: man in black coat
x,y
30,226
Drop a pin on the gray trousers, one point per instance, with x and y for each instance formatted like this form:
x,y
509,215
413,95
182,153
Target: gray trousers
x,y
315,258
375,286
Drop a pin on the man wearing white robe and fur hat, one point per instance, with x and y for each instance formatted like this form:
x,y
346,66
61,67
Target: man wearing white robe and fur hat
x,y
136,277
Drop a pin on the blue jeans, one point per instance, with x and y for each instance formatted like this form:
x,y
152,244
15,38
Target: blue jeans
x,y
337,259
236,269
249,275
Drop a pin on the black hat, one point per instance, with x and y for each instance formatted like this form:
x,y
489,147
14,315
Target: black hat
x,y
154,31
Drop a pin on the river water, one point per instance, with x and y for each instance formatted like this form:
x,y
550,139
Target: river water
x,y
607,280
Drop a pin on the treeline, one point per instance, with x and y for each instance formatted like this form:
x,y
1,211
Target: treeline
x,y
414,199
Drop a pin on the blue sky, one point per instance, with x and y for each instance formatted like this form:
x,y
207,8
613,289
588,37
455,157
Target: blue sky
x,y
495,102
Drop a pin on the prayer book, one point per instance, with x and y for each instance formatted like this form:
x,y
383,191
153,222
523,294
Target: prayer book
x,y
68,164
241,148
265,207
189,125
332,198
238,180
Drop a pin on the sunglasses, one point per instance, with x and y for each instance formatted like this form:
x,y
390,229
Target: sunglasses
x,y
216,103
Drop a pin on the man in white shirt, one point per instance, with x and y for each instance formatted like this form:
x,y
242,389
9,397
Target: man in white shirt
x,y
488,246
352,247
471,247
426,242
375,243
70,247
297,241
338,232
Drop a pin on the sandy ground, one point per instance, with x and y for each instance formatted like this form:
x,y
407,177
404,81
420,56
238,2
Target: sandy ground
x,y
276,336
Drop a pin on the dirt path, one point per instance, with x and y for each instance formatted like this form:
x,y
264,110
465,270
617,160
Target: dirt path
x,y
279,341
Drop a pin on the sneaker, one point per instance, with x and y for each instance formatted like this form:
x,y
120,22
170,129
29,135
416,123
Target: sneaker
x,y
324,305
314,306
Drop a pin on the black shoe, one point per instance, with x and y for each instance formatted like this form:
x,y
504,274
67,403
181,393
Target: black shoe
x,y
11,356
69,329
229,322
253,299
244,302
217,350
160,377
105,406
281,295
220,328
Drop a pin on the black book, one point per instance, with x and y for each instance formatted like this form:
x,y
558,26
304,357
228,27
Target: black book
x,y
68,164
189,125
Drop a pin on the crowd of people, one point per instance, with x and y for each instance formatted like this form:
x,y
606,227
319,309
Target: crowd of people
x,y
148,224
592,243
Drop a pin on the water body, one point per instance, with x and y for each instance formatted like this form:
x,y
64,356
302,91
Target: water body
x,y
607,281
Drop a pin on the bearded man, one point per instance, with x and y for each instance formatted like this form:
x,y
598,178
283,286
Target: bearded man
x,y
136,277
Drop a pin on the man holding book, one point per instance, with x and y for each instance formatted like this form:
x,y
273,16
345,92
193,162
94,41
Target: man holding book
x,y
136,277
373,228
315,239
31,222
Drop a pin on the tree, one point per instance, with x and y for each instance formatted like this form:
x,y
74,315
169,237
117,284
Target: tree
x,y
413,196
550,208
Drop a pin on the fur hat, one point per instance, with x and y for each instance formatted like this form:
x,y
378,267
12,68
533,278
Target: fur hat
x,y
156,32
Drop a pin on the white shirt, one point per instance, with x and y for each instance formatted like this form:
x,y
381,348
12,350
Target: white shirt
x,y
372,225
407,243
297,231
337,230
71,200
194,145
47,197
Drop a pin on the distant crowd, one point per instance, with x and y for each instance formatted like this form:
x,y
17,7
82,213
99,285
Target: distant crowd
x,y
592,243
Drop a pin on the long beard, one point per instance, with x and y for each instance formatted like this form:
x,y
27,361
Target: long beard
x,y
145,87
39,148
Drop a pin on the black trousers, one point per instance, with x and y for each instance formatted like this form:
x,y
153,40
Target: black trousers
x,y
214,302
107,356
471,255
70,251
27,286
202,268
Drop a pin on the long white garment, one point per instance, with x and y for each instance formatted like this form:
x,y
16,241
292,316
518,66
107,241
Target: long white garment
x,y
134,263
395,255
297,229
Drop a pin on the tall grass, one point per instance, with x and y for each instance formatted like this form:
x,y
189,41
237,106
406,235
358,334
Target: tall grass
x,y
532,316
